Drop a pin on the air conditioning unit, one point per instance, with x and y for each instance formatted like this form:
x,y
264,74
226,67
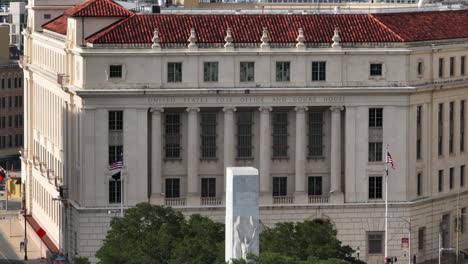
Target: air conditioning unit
x,y
62,79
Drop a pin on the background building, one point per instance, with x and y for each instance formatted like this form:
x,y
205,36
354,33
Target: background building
x,y
312,106
14,14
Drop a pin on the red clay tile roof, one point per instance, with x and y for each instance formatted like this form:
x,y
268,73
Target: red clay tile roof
x,y
421,26
392,27
245,28
58,25
98,8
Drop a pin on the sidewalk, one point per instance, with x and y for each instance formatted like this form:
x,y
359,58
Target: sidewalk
x,y
11,234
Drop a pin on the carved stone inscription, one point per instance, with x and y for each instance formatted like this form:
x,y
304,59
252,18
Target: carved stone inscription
x,y
245,100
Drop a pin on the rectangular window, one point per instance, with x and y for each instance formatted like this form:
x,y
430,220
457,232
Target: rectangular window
x,y
462,65
376,69
283,71
441,67
418,131
451,124
174,72
3,83
440,129
375,117
280,134
115,154
172,135
421,237
315,185
172,188
115,71
462,175
318,70
441,180
208,187
462,125
452,66
10,104
420,68
451,176
280,187
115,120
244,134
315,134
375,187
10,121
115,190
375,151
208,135
419,184
9,83
210,71
247,71
375,242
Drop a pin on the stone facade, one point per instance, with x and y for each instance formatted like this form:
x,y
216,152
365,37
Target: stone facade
x,y
88,105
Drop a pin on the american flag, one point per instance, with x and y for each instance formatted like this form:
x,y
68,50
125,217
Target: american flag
x,y
116,165
390,160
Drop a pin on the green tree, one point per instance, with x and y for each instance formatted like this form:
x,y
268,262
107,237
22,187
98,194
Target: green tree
x,y
155,234
81,260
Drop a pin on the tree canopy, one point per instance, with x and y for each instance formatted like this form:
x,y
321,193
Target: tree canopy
x,y
155,234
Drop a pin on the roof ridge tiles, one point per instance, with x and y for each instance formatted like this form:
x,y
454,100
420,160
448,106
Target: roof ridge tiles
x,y
386,27
98,8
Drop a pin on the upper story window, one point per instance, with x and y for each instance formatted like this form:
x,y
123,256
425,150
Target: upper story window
x,y
462,65
420,68
441,67
172,188
452,66
376,69
244,134
283,71
115,71
247,71
440,129
174,72
280,186
172,135
451,125
318,70
418,131
315,134
419,184
3,83
115,120
462,125
441,180
208,135
47,16
375,117
208,187
280,134
315,185
210,71
375,187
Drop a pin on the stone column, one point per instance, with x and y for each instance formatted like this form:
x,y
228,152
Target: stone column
x,y
335,170
265,156
229,127
300,195
157,196
193,196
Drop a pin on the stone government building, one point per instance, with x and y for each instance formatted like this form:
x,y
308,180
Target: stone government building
x,y
309,100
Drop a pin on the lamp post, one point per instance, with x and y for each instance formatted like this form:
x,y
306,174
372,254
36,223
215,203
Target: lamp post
x,y
25,227
358,252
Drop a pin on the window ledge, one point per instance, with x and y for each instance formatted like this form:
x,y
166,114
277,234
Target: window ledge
x,y
316,158
280,158
173,159
245,158
209,159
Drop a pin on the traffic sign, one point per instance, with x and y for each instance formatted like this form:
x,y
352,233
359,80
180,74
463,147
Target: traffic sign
x,y
404,242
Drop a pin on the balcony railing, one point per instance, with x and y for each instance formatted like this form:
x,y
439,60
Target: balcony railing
x,y
211,200
318,199
175,202
283,199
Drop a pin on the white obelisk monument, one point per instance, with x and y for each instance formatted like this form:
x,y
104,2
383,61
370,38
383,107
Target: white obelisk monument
x,y
242,226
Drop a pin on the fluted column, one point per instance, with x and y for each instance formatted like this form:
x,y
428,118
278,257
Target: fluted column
x,y
265,156
193,196
335,171
300,195
157,196
229,127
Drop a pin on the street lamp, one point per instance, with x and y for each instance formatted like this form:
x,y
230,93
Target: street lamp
x,y
25,227
358,252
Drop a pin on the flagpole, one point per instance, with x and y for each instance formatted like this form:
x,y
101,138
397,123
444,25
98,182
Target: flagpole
x,y
121,194
386,203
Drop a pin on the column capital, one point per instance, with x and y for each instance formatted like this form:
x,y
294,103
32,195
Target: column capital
x,y
301,108
156,109
336,108
193,109
265,109
229,109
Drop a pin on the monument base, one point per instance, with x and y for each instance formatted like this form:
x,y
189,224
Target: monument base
x,y
301,198
337,198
